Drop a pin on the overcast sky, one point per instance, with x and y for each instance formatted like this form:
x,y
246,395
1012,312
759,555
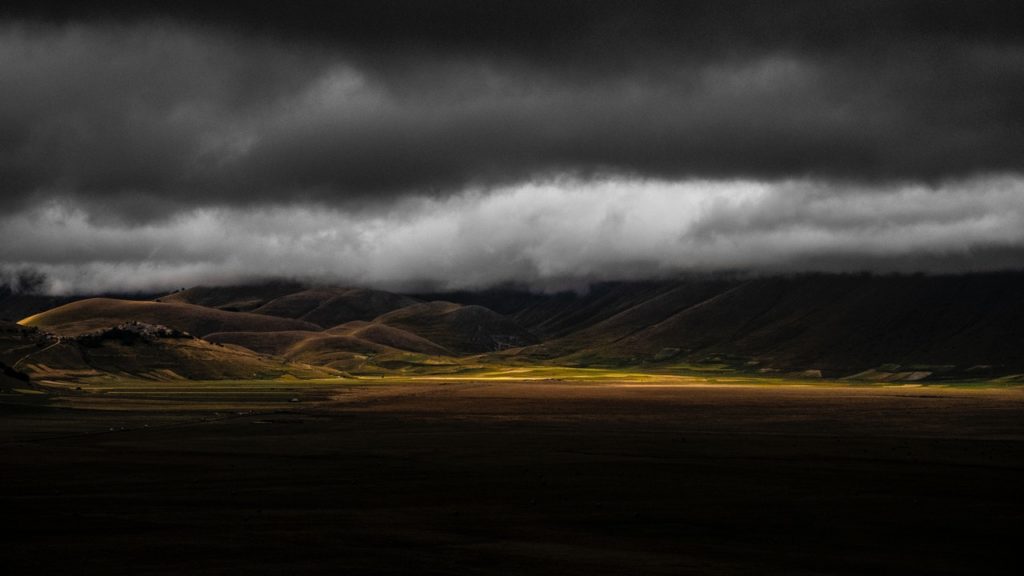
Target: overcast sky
x,y
460,144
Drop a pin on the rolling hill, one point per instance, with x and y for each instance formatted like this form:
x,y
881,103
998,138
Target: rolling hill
x,y
324,306
459,328
428,333
874,327
327,307
392,320
357,346
837,324
99,313
553,315
390,336
159,359
242,298
134,350
17,341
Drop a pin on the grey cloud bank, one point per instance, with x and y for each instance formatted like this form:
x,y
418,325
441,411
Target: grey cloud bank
x,y
148,118
463,144
549,235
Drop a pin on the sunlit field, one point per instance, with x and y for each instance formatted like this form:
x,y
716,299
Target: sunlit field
x,y
539,470
270,393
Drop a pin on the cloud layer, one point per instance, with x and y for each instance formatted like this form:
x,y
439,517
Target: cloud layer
x,y
150,117
464,143
551,235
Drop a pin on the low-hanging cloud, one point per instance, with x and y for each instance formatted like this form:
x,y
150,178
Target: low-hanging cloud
x,y
549,235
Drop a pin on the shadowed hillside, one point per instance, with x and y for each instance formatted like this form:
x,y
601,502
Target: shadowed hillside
x,y
553,315
429,329
11,378
870,327
17,342
460,329
243,298
323,306
274,343
353,345
838,324
842,324
328,307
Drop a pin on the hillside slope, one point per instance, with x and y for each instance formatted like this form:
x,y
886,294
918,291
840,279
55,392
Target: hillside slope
x,y
242,298
390,336
882,327
355,348
839,324
327,307
554,315
99,313
103,357
460,329
324,306
427,328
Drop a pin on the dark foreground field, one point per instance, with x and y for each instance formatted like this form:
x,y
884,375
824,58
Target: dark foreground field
x,y
535,478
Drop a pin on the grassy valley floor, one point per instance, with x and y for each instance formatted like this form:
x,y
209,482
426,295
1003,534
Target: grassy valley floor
x,y
512,472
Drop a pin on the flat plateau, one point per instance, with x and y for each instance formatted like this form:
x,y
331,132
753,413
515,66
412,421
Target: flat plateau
x,y
437,476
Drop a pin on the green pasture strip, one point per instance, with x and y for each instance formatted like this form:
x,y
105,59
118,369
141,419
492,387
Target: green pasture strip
x,y
554,374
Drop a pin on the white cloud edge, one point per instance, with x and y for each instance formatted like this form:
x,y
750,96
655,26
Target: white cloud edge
x,y
546,234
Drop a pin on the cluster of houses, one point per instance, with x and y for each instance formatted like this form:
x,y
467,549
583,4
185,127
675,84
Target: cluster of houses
x,y
130,332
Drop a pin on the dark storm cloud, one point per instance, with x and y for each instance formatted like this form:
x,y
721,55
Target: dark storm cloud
x,y
574,31
148,145
143,108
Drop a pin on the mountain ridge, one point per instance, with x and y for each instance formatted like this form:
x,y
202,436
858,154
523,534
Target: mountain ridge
x,y
831,324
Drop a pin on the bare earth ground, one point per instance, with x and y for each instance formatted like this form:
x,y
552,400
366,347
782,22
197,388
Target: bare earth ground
x,y
518,477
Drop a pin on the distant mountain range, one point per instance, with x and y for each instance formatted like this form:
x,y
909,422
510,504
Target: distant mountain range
x,y
880,328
